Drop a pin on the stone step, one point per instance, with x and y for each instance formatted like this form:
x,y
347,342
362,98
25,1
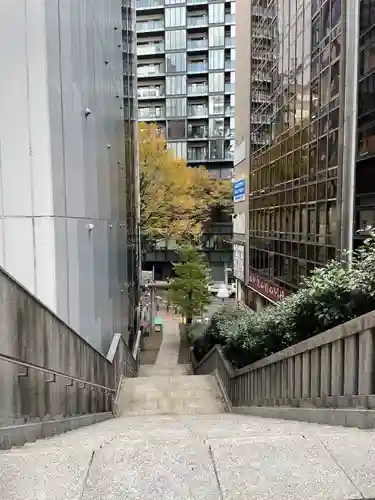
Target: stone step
x,y
156,371
170,395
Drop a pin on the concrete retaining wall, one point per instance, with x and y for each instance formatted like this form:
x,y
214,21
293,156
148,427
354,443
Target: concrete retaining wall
x,y
333,370
31,333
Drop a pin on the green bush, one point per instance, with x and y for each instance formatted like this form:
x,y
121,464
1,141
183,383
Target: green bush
x,y
330,296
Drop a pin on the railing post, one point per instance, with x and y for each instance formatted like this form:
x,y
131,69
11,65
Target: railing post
x,y
366,363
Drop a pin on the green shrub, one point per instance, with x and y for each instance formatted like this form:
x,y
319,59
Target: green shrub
x,y
330,296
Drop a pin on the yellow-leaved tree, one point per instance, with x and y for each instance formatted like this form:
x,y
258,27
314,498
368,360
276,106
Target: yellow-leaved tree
x,y
176,200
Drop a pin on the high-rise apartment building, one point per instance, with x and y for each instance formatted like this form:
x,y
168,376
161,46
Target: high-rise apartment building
x,y
186,84
67,176
299,154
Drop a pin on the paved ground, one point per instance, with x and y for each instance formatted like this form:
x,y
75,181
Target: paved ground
x,y
193,457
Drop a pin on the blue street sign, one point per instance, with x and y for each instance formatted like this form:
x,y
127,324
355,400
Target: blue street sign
x,y
239,190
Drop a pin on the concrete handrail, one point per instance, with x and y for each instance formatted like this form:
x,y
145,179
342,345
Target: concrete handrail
x,y
333,369
51,352
55,373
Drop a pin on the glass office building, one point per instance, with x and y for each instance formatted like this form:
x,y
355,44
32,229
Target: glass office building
x,y
365,177
297,185
186,84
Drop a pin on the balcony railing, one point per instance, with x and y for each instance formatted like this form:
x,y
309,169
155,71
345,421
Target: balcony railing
x,y
230,88
198,132
149,4
198,111
197,154
145,71
150,26
190,2
230,111
256,118
156,48
197,67
230,64
261,76
261,11
260,96
230,18
147,92
197,89
262,33
197,21
196,44
230,41
151,113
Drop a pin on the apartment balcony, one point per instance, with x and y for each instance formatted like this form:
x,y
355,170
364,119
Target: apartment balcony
x,y
262,12
197,2
196,22
261,33
229,65
150,71
256,118
230,42
146,26
197,44
230,88
150,49
151,113
198,111
261,76
198,132
229,111
149,4
221,155
151,92
197,67
260,97
197,90
197,154
258,139
230,18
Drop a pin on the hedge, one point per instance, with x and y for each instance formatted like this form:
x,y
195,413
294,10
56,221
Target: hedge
x,y
330,296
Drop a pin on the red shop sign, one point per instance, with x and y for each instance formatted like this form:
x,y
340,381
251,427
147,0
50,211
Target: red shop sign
x,y
267,288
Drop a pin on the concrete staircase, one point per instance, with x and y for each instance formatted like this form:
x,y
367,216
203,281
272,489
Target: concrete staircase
x,y
169,391
174,440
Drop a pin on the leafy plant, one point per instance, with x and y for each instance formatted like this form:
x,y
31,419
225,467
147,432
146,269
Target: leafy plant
x,y
331,295
188,290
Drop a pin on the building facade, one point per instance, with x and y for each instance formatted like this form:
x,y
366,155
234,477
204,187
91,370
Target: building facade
x,y
186,84
66,172
365,178
302,142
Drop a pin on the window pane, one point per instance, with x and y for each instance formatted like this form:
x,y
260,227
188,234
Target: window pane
x,y
216,13
176,62
175,16
216,127
216,105
176,129
178,148
216,82
216,36
176,107
176,85
175,39
216,59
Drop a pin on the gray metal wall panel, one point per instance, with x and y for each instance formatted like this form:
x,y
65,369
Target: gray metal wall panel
x,y
80,181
